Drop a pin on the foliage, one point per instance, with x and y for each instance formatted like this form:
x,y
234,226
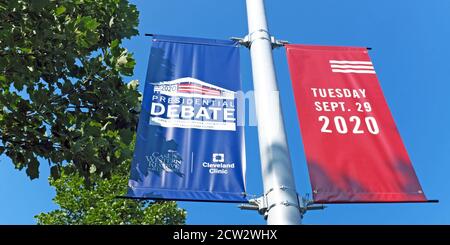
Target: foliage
x,y
99,205
63,99
62,95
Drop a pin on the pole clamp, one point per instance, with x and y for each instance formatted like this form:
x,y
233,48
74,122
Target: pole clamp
x,y
261,204
257,35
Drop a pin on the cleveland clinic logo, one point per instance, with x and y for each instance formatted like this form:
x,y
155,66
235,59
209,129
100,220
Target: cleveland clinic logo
x,y
218,165
218,157
191,103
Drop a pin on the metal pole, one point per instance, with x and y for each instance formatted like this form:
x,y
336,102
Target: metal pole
x,y
279,185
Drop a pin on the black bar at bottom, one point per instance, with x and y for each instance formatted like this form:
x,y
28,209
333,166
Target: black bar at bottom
x,y
307,234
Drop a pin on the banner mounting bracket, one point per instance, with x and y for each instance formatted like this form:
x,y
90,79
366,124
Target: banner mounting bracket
x,y
248,39
261,205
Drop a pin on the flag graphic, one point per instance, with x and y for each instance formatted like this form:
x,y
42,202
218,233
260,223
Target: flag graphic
x,y
351,66
197,89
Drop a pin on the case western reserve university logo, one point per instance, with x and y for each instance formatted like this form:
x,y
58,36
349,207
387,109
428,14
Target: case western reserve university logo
x,y
191,103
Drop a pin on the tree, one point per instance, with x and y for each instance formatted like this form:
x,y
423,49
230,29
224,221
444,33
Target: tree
x,y
62,95
99,205
63,99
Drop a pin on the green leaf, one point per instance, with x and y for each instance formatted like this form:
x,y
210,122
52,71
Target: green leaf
x,y
76,147
92,129
92,169
55,172
122,60
133,84
67,87
90,23
126,136
111,22
60,10
39,97
105,126
33,168
26,50
115,43
18,85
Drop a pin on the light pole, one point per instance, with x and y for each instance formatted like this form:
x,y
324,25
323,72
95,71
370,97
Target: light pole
x,y
280,196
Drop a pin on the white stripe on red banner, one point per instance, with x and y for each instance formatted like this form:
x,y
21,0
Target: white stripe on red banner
x,y
353,71
350,62
198,91
352,66
196,87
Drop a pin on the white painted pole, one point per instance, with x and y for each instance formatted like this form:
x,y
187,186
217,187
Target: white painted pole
x,y
279,184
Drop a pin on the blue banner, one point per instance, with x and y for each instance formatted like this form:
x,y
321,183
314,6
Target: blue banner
x,y
189,145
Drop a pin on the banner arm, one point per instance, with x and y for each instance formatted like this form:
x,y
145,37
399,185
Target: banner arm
x,y
180,199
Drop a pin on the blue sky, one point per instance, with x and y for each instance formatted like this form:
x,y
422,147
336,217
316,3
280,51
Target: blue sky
x,y
410,41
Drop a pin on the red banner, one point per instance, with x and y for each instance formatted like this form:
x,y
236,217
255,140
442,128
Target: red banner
x,y
353,148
